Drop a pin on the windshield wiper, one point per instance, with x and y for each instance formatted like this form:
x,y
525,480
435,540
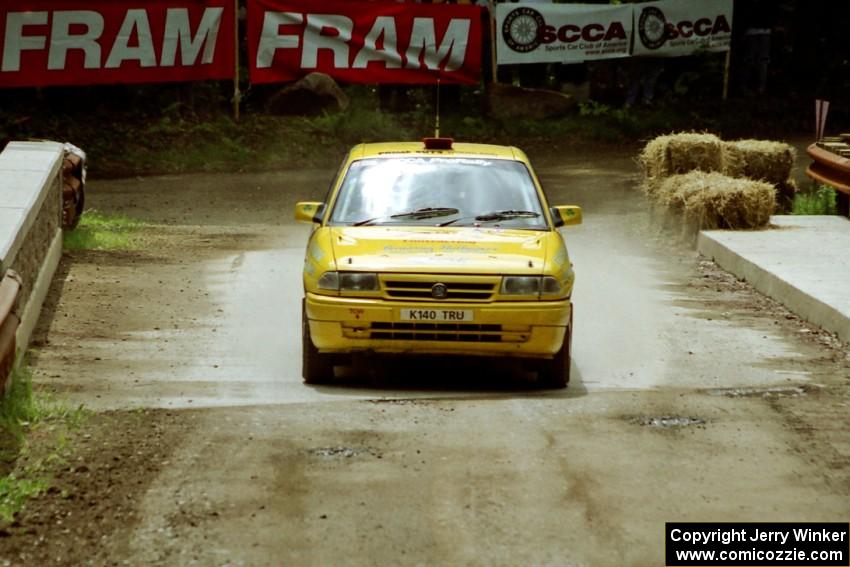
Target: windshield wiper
x,y
496,216
506,215
424,213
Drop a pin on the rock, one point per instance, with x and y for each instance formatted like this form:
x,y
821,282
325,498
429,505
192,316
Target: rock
x,y
314,94
508,102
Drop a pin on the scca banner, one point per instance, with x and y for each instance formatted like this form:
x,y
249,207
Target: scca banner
x,y
363,42
68,42
561,33
681,27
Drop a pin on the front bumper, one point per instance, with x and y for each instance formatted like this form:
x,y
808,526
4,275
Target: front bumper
x,y
533,329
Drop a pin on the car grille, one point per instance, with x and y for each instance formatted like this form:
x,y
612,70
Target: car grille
x,y
459,288
454,332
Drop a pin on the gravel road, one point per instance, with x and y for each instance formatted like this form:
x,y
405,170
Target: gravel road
x,y
693,398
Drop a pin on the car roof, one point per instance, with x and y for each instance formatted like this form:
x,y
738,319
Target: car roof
x,y
417,149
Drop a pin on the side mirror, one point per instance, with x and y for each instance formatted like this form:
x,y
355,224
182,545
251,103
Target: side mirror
x,y
566,214
309,211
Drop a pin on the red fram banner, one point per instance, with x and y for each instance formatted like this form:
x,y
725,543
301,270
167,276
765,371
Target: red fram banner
x,y
84,42
364,42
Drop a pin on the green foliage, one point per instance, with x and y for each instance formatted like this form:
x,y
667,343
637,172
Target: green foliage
x,y
21,409
593,108
14,492
20,412
360,124
99,231
822,201
18,409
604,123
154,129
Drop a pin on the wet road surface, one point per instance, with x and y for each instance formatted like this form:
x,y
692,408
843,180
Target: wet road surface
x,y
224,324
436,462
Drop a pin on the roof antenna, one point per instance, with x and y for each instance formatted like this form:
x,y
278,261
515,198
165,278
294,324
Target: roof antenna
x,y
437,143
437,122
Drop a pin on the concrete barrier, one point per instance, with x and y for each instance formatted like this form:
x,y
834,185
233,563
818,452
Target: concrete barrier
x,y
30,226
802,263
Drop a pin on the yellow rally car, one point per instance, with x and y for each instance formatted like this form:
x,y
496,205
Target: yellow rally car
x,y
437,248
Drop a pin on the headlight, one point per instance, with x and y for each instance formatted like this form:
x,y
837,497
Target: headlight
x,y
521,285
329,280
550,286
353,281
348,281
530,285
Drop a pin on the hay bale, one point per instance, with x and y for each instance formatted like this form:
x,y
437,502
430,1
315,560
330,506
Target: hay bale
x,y
759,159
714,200
651,186
673,154
653,159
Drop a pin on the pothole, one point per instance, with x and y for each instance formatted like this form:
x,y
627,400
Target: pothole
x,y
666,421
775,392
343,452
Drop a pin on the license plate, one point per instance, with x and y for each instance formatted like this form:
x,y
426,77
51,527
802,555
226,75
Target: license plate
x,y
437,315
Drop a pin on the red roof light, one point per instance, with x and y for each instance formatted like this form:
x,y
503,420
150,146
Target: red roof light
x,y
438,143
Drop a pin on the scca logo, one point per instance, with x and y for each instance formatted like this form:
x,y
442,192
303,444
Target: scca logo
x,y
524,29
521,29
654,29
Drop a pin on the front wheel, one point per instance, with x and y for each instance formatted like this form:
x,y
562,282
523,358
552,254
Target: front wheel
x,y
316,368
554,373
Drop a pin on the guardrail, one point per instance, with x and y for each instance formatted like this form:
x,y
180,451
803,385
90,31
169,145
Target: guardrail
x,y
10,286
31,205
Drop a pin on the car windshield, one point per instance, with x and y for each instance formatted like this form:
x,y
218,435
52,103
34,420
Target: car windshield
x,y
438,191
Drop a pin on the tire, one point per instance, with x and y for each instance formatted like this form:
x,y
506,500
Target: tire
x,y
316,368
79,207
554,373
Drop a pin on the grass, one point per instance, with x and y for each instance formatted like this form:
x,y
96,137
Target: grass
x,y
361,122
21,411
822,201
14,493
101,231
17,410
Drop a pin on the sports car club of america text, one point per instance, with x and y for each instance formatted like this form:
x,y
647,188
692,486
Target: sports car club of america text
x,y
594,39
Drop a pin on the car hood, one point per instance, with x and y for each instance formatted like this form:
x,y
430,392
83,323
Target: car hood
x,y
444,249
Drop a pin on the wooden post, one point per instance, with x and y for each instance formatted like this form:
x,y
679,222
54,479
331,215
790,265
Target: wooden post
x,y
726,73
494,67
437,121
237,95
